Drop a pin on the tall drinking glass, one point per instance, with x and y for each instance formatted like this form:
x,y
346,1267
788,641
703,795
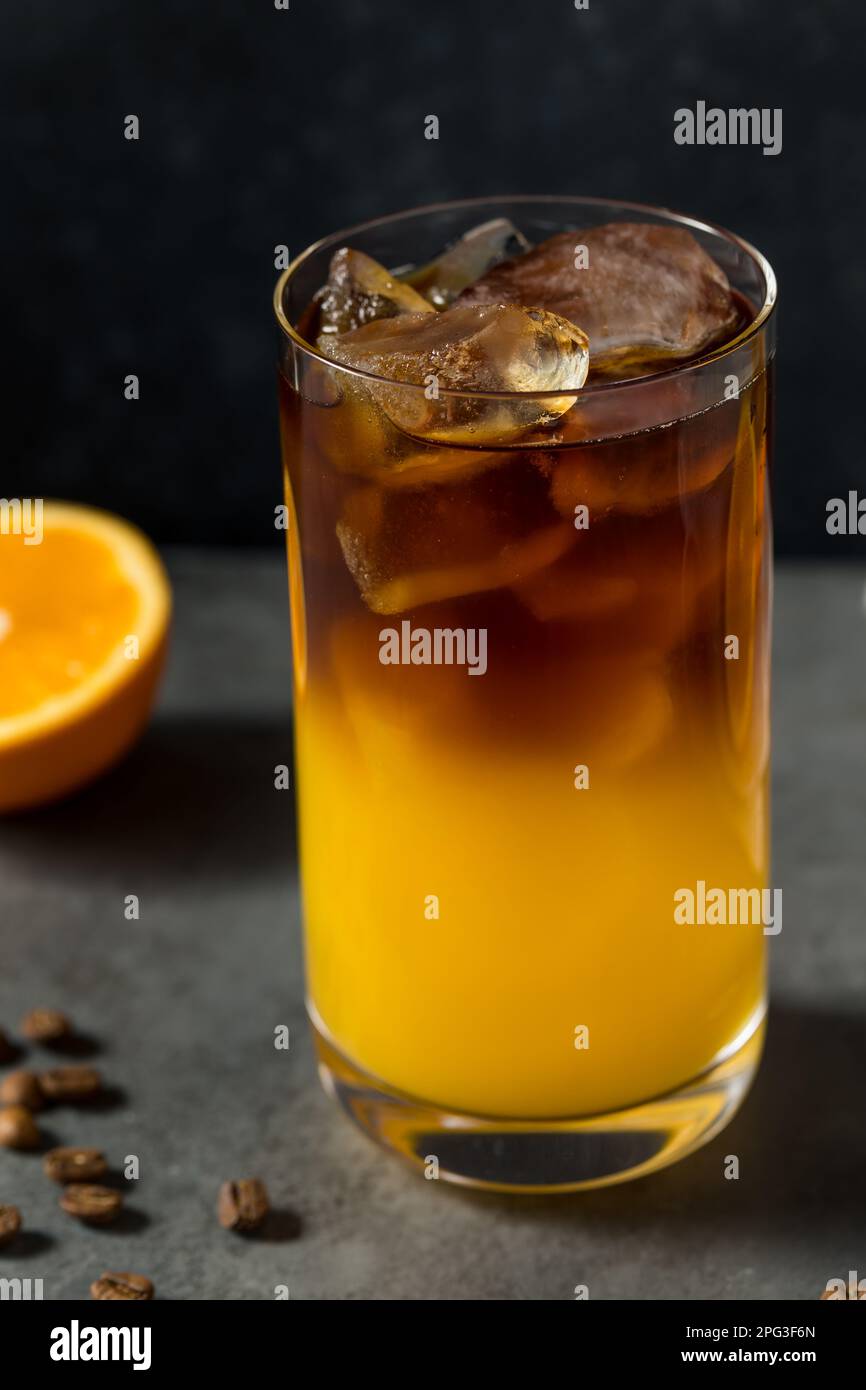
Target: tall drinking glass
x,y
531,666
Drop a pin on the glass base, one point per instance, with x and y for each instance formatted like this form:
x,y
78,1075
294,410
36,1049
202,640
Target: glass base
x,y
558,1155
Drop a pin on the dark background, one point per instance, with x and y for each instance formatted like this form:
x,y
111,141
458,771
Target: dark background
x,y
261,126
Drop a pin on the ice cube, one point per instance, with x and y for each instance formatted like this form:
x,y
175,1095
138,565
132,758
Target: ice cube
x,y
635,583
638,717
356,438
441,539
565,592
467,260
380,704
435,464
645,472
360,290
512,562
647,295
468,348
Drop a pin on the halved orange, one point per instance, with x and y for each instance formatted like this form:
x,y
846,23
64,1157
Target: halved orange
x,y
84,615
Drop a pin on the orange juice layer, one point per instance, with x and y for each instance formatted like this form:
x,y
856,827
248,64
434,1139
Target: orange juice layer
x,y
556,912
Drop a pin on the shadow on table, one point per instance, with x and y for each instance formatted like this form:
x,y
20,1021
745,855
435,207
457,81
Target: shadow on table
x,y
800,1139
191,798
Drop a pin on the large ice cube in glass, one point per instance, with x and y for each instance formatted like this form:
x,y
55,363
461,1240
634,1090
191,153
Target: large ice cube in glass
x,y
645,472
646,295
433,541
466,349
467,260
360,290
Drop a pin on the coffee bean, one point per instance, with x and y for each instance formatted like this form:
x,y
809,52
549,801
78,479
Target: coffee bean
x,y
74,1165
89,1202
22,1088
127,1286
18,1128
8,1050
46,1025
10,1224
242,1205
68,1085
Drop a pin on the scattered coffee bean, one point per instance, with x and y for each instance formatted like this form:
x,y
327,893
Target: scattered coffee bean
x,y
22,1088
10,1224
89,1202
46,1025
74,1165
68,1085
127,1286
18,1128
243,1205
8,1050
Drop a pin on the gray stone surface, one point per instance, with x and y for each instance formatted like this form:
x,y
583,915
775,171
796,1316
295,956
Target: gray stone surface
x,y
184,1002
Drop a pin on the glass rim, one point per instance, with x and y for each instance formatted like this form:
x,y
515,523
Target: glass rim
x,y
342,237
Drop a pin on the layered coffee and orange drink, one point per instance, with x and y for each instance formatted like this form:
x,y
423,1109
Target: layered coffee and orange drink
x,y
528,514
